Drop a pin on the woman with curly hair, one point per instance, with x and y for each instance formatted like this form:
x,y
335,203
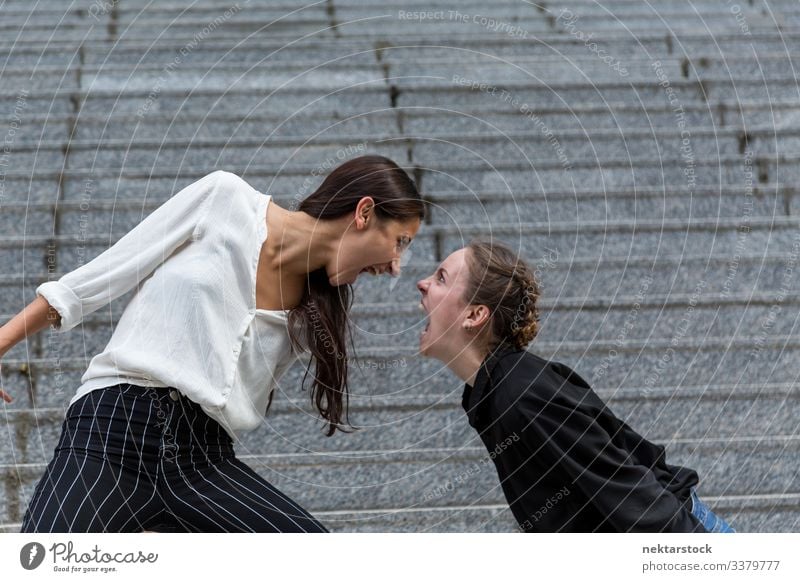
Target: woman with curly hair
x,y
566,463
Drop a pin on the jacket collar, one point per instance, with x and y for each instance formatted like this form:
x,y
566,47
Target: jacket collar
x,y
475,396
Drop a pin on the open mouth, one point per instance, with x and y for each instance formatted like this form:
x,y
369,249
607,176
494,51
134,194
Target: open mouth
x,y
427,320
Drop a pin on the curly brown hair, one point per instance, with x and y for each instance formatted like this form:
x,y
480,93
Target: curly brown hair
x,y
503,282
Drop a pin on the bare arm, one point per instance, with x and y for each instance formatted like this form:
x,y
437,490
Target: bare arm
x,y
35,317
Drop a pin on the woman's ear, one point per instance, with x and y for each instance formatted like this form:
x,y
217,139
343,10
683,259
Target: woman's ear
x,y
477,317
364,212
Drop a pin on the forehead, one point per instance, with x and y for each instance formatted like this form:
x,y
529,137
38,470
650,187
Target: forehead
x,y
452,264
409,226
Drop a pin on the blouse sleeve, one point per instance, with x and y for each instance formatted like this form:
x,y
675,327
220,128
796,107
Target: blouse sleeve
x,y
133,257
568,437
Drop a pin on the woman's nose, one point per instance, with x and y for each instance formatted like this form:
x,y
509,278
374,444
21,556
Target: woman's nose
x,y
421,285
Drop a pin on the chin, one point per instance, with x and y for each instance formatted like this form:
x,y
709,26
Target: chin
x,y
337,281
426,351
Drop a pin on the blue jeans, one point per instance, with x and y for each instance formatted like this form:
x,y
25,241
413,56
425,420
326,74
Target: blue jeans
x,y
711,521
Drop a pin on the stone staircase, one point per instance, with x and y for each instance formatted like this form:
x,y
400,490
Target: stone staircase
x,y
643,156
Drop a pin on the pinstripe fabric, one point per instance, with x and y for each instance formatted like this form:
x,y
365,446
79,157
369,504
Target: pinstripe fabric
x,y
131,458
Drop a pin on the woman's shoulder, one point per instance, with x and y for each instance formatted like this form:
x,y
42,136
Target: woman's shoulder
x,y
233,186
525,375
235,200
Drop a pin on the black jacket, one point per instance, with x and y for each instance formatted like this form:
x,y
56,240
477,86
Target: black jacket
x,y
566,463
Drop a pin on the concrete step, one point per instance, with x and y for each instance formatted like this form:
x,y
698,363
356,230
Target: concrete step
x,y
218,153
564,147
567,146
609,174
399,62
322,77
454,91
418,121
729,201
468,518
42,129
162,100
445,92
751,513
645,44
647,203
405,64
33,128
612,174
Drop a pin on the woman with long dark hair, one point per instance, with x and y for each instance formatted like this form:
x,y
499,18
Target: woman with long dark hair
x,y
566,463
231,288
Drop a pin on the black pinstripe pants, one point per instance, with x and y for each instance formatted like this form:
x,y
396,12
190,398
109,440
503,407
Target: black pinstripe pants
x,y
132,458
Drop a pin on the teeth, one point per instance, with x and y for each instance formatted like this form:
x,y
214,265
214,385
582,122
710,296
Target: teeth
x,y
421,307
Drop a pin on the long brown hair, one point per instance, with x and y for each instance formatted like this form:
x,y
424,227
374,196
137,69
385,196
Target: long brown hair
x,y
323,313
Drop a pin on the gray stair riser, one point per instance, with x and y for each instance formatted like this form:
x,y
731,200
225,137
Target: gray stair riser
x,y
487,144
624,173
490,149
244,54
435,521
763,520
83,187
420,122
36,160
166,157
499,148
287,101
42,81
444,92
562,209
307,127
321,79
91,31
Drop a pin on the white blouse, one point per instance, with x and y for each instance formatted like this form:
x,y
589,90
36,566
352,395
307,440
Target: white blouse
x,y
192,324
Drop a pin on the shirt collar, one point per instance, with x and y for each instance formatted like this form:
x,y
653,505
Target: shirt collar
x,y
474,396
